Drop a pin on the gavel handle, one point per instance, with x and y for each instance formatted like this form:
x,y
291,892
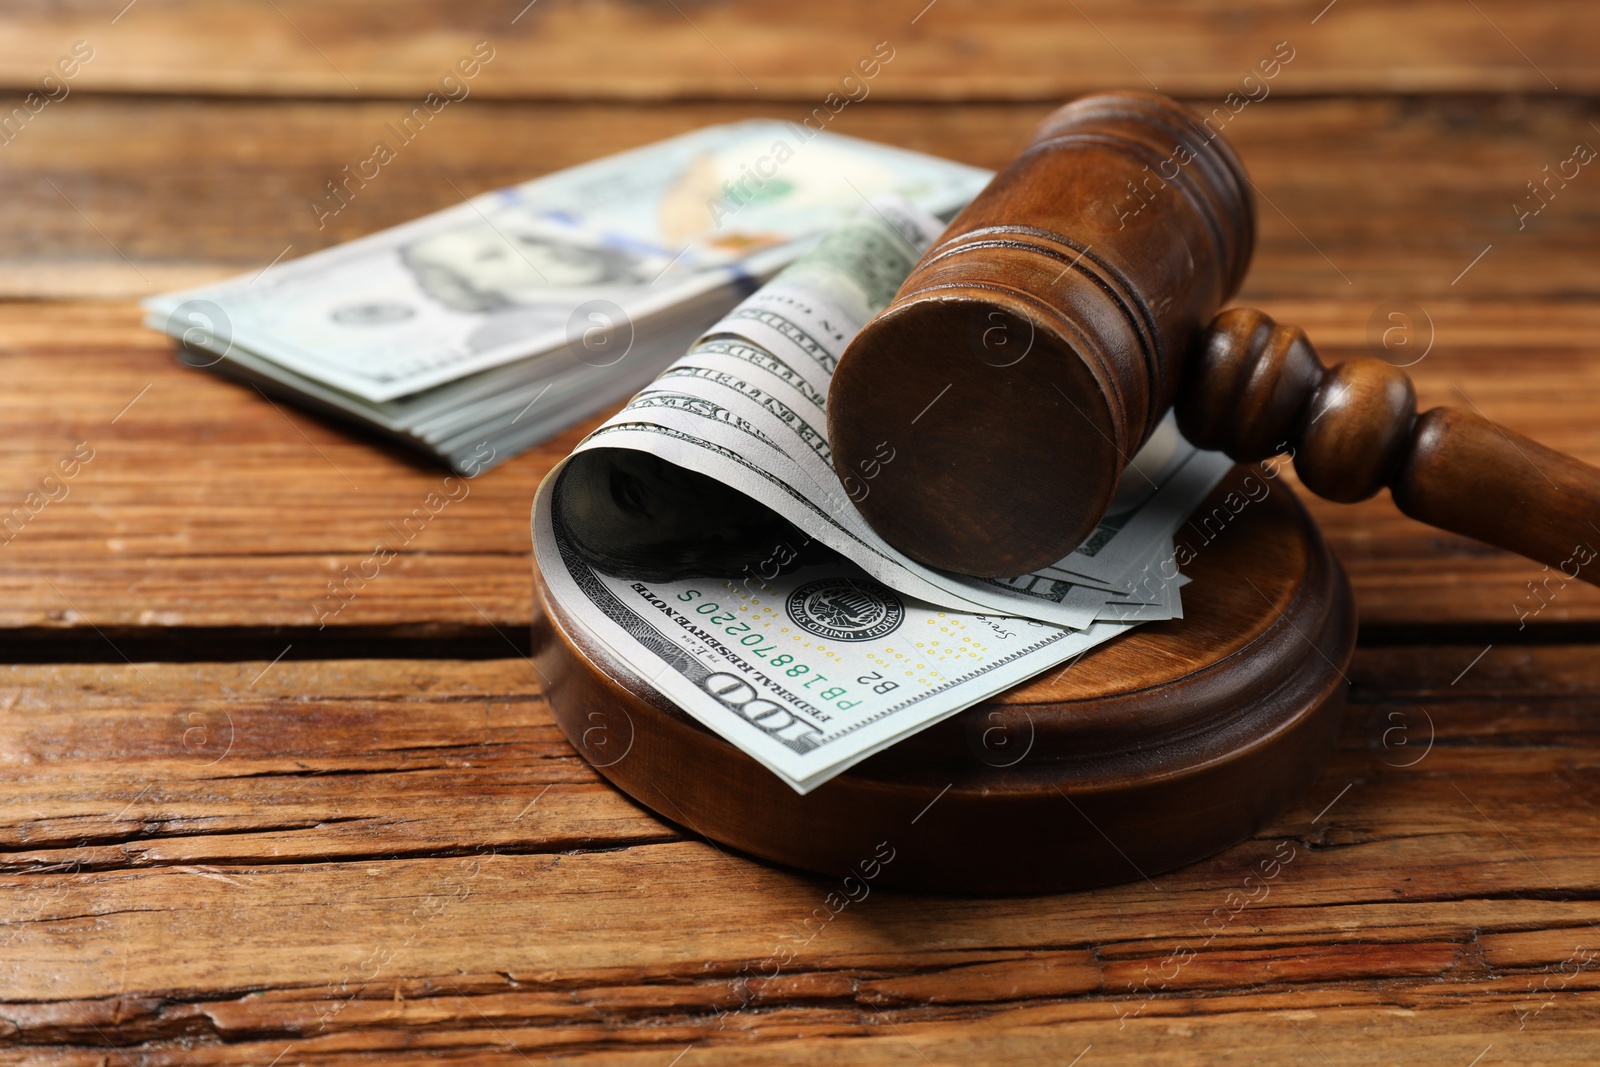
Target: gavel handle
x,y
1255,389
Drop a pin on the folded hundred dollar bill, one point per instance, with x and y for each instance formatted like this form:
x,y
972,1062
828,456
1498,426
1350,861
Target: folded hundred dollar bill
x,y
702,535
477,331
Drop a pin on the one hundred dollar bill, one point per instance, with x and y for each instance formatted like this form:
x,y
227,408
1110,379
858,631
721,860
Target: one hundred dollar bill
x,y
810,672
669,229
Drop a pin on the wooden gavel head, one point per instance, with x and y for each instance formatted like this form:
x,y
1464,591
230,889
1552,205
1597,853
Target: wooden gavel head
x,y
1035,347
991,408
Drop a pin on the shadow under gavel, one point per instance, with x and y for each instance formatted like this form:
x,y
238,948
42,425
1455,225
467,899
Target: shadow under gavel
x,y
1041,340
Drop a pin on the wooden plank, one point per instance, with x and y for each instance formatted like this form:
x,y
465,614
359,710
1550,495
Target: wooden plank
x,y
959,49
391,859
1418,1024
141,537
1362,199
205,505
375,767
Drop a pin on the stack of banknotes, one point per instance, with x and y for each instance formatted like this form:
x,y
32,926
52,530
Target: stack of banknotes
x,y
703,537
480,330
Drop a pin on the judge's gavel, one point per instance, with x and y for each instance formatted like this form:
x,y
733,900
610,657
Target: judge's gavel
x,y
1040,341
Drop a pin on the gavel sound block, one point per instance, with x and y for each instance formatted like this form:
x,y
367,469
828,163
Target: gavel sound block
x,y
1150,752
1029,354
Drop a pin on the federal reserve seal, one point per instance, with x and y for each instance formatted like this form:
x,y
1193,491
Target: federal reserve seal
x,y
846,609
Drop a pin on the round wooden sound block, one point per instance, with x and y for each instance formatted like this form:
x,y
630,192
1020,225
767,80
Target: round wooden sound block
x,y
1151,751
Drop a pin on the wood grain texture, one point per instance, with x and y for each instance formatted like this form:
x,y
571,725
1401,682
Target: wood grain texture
x,y
952,50
406,857
1369,199
206,506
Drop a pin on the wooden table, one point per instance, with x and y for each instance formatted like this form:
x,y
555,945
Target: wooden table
x,y
233,836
